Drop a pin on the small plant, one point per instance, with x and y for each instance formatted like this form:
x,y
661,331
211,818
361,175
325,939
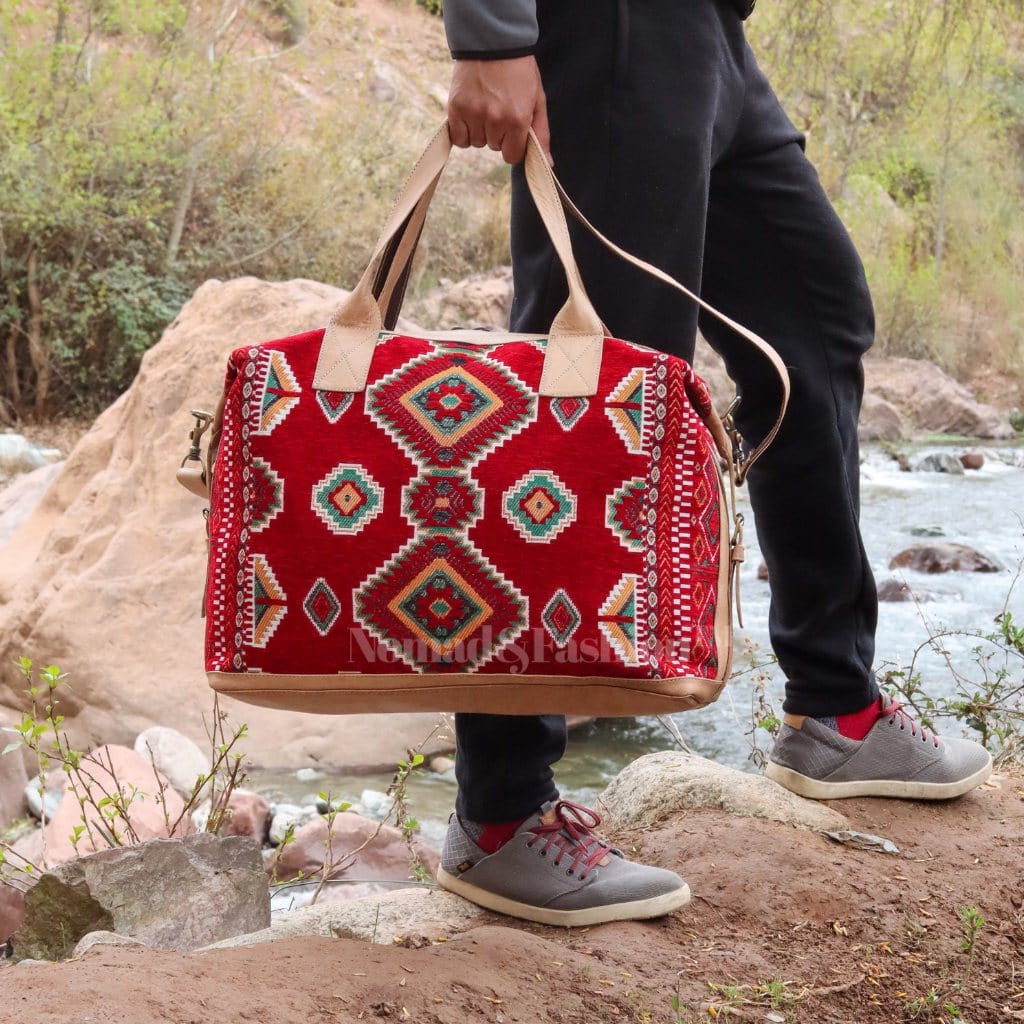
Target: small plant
x,y
971,925
432,6
106,801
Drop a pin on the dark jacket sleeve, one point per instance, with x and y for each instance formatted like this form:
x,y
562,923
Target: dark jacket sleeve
x,y
490,29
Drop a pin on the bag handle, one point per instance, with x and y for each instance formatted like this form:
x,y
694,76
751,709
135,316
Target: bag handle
x,y
572,359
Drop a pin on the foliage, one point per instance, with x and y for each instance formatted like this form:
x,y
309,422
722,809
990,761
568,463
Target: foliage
x,y
914,114
432,6
104,799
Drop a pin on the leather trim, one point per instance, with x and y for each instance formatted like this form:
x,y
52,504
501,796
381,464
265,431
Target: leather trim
x,y
354,693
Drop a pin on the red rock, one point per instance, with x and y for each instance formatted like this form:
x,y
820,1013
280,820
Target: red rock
x,y
146,812
939,557
12,910
249,815
385,858
762,571
972,460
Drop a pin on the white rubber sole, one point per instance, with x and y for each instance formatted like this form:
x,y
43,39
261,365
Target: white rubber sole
x,y
656,906
815,789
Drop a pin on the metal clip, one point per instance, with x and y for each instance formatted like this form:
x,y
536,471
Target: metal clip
x,y
735,438
195,435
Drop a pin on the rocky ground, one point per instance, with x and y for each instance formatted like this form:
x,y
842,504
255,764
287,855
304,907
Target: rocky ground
x,y
785,925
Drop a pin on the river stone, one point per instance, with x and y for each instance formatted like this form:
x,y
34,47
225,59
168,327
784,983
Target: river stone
x,y
410,914
175,756
943,557
927,531
972,460
46,799
896,590
174,894
657,785
285,815
94,939
939,462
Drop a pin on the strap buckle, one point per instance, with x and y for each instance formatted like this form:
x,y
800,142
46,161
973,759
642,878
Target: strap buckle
x,y
195,435
739,456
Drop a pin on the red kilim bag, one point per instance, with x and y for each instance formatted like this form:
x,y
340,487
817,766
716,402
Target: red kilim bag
x,y
466,520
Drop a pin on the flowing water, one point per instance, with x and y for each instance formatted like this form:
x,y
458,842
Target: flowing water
x,y
982,509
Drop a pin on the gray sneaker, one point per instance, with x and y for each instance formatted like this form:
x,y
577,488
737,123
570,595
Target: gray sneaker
x,y
897,758
553,873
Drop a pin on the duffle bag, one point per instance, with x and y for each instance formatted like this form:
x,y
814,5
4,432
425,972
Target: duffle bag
x,y
467,520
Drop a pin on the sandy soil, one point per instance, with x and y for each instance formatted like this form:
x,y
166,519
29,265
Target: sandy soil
x,y
844,935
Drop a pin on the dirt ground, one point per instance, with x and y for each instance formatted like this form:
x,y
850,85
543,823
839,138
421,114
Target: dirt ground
x,y
784,926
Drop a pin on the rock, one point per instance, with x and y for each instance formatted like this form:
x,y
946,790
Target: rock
x,y
375,803
441,764
174,756
404,915
248,815
150,813
308,775
39,798
385,858
94,939
657,785
972,460
111,562
285,815
483,300
20,497
168,893
932,401
927,531
20,455
939,462
879,420
900,590
943,557
762,572
12,910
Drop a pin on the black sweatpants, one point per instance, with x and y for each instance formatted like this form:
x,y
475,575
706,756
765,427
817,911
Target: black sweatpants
x,y
668,136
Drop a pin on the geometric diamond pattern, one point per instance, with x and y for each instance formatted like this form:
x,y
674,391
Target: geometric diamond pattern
x,y
625,513
617,619
321,606
449,408
625,409
561,618
347,499
568,411
334,403
539,506
443,500
440,605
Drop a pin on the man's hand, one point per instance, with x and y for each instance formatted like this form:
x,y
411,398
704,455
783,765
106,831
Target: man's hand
x,y
495,103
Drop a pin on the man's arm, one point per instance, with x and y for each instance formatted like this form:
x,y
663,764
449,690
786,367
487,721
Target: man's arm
x,y
496,94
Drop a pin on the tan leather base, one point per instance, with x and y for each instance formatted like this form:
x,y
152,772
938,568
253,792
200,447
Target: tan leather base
x,y
340,694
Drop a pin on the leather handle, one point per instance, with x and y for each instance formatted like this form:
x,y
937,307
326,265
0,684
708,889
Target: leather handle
x,y
572,358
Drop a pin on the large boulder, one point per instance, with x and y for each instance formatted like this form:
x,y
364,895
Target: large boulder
x,y
174,756
931,400
482,300
12,910
879,420
658,785
941,557
383,855
105,576
171,894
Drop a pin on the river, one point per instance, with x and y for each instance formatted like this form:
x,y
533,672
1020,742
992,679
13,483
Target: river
x,y
981,508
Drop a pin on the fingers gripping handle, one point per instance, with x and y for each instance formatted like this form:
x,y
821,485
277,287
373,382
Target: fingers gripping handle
x,y
573,357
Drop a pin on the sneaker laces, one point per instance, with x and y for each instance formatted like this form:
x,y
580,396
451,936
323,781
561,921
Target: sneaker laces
x,y
894,712
571,834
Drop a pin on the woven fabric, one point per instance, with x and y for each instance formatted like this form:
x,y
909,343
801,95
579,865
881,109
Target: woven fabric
x,y
450,519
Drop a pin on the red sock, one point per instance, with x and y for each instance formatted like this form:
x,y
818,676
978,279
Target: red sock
x,y
494,837
857,724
